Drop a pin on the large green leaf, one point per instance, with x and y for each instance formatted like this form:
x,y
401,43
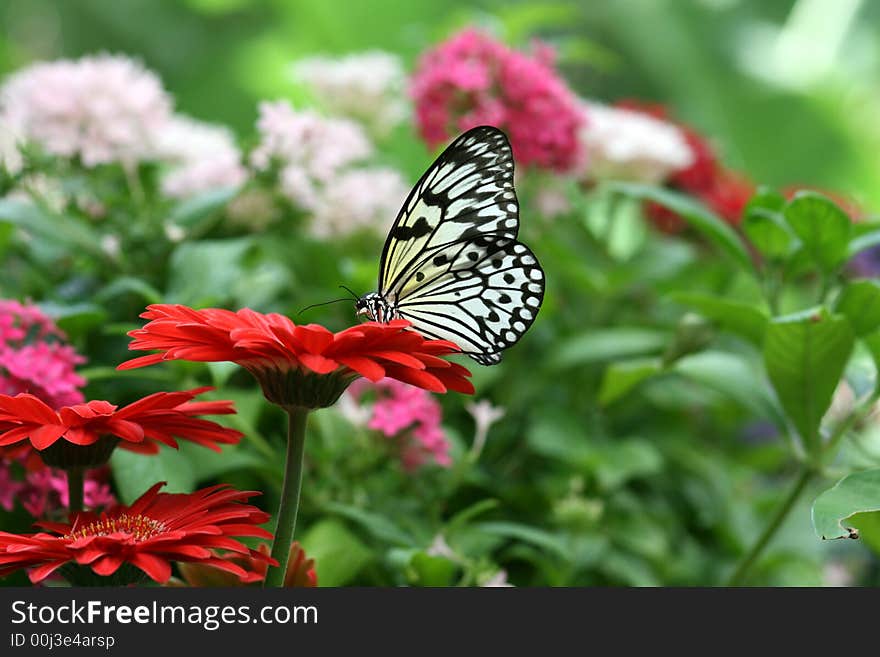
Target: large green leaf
x,y
338,553
697,215
623,376
196,214
734,377
608,344
855,493
746,320
204,273
860,302
135,473
378,525
823,228
769,233
805,355
64,230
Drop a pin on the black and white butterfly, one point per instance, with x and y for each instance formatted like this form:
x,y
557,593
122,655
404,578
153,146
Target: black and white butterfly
x,y
451,264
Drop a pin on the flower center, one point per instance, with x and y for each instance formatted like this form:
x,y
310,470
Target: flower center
x,y
139,527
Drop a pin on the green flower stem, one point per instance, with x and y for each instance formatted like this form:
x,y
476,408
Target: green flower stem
x,y
296,440
75,484
745,565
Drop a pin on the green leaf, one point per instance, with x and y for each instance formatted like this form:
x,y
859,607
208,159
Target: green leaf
x,y
608,344
734,377
75,319
872,342
339,555
135,473
738,317
823,228
624,460
129,285
697,215
623,376
207,464
463,517
430,570
860,302
862,242
855,493
63,230
196,213
528,534
378,525
805,355
769,233
204,273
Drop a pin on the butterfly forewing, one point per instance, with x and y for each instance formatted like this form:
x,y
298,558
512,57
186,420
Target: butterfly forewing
x,y
466,193
451,264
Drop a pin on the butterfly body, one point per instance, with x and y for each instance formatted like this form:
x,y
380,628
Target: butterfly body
x,y
452,265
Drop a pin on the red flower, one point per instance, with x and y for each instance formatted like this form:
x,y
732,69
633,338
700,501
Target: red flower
x,y
728,196
100,426
724,191
155,530
300,569
307,365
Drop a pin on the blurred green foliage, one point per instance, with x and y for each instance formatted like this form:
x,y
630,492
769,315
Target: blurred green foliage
x,y
649,425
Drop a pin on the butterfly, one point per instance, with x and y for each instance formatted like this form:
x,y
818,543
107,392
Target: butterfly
x,y
451,264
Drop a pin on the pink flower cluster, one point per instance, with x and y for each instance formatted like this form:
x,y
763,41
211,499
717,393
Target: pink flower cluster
x,y
44,490
101,108
409,415
472,80
32,358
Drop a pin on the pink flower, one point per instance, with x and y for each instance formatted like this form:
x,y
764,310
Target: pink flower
x,y
471,80
359,199
32,358
203,157
103,108
43,491
409,415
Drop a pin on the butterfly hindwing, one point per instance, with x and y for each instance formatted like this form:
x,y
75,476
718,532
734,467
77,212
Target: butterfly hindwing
x,y
466,193
452,265
485,297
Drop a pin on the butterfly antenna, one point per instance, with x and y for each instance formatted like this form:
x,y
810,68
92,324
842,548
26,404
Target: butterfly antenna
x,y
353,295
326,303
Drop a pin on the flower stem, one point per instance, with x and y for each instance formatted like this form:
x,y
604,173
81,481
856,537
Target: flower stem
x,y
75,483
745,565
296,440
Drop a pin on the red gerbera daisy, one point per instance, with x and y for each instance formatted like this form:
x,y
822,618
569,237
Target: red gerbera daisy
x,y
155,530
84,435
300,569
305,366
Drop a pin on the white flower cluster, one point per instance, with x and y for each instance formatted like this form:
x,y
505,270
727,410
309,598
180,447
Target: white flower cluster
x,y
10,155
102,109
369,87
360,199
203,157
315,156
625,145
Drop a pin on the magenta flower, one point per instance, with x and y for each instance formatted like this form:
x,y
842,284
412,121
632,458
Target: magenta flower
x,y
408,415
472,80
34,359
44,490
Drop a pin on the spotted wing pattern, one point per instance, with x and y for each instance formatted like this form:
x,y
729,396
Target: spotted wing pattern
x,y
451,264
